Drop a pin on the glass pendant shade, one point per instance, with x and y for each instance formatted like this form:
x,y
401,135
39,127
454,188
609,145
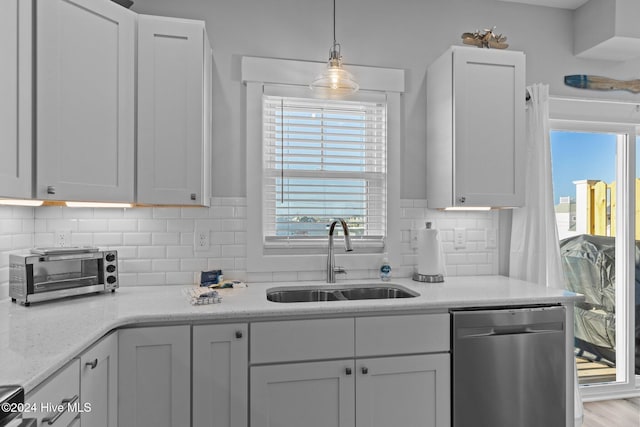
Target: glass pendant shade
x,y
335,80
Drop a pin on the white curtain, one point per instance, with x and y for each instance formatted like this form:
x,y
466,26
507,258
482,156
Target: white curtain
x,y
535,249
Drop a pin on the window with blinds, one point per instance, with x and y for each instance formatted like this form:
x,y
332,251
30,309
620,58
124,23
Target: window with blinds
x,y
323,160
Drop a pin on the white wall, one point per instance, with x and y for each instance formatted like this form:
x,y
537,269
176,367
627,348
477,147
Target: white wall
x,y
407,34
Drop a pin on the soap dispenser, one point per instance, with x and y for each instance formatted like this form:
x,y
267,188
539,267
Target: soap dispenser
x,y
385,268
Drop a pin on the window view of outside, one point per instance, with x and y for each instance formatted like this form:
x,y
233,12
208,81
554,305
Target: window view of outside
x,y
323,160
584,186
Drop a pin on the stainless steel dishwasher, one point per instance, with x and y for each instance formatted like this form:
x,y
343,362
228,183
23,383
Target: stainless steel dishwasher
x,y
509,367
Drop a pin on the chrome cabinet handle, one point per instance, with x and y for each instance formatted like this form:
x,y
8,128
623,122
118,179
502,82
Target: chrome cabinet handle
x,y
462,199
92,364
51,419
193,196
365,370
238,334
348,371
51,189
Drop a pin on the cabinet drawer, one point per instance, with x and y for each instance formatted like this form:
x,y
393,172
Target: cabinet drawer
x,y
422,333
57,401
301,340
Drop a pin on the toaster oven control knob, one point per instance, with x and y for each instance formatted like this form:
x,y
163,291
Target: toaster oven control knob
x,y
111,280
111,268
110,257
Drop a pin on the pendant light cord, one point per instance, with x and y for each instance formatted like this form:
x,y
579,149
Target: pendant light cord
x,y
334,22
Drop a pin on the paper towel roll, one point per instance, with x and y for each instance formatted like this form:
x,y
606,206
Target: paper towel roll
x,y
429,255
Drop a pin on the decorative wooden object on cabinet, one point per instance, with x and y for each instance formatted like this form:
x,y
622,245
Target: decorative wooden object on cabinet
x,y
16,168
99,383
85,100
154,386
60,391
220,375
476,128
174,112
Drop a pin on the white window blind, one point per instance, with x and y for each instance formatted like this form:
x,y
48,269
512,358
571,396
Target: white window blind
x,y
322,160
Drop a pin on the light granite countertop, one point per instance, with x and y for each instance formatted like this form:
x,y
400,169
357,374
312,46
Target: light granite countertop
x,y
36,341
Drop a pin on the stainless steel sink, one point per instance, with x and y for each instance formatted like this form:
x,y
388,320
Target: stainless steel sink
x,y
345,293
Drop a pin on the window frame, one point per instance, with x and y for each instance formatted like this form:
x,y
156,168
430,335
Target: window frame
x,y
260,74
588,115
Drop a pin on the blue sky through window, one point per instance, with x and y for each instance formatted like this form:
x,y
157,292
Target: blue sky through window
x,y
581,155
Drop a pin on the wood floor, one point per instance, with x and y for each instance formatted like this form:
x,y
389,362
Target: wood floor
x,y
612,413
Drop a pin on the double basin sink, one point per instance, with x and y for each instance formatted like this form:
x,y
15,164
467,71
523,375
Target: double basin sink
x,y
346,293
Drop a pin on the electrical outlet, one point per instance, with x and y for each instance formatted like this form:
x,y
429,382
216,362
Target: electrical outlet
x,y
62,238
201,240
459,238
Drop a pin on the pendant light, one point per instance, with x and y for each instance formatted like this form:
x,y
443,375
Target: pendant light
x,y
335,80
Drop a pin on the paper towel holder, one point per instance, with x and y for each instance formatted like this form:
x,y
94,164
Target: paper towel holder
x,y
428,278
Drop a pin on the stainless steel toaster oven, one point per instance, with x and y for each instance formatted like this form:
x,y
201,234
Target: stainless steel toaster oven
x,y
49,273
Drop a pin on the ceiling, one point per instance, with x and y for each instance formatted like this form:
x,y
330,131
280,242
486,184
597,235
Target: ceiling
x,y
563,4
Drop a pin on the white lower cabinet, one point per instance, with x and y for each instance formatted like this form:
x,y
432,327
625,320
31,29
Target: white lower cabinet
x,y
56,402
99,383
311,394
407,391
220,375
154,381
365,390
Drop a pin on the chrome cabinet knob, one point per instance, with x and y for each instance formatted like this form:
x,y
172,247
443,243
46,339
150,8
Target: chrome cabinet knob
x,y
51,189
238,334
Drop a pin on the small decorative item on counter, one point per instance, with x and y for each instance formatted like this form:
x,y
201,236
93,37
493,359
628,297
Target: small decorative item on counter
x,y
230,284
202,296
385,269
487,39
212,277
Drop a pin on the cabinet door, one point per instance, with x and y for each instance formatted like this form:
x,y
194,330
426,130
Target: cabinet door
x,y
319,394
15,98
220,375
172,85
489,97
154,371
99,383
56,402
85,100
407,391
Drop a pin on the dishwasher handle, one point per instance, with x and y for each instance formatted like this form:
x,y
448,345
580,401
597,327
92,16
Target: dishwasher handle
x,y
492,331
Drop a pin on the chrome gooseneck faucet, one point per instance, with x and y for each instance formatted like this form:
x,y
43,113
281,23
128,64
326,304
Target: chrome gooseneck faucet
x,y
331,262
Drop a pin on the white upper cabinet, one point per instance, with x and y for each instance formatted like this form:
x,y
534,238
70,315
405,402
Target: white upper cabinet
x,y
174,112
85,100
476,128
15,99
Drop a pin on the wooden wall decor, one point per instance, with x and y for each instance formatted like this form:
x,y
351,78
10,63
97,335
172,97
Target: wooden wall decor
x,y
583,81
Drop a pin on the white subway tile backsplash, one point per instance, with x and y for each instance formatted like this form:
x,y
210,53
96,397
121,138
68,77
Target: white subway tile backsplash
x,y
156,245
183,225
152,225
137,239
89,225
123,225
165,239
152,252
164,265
107,239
